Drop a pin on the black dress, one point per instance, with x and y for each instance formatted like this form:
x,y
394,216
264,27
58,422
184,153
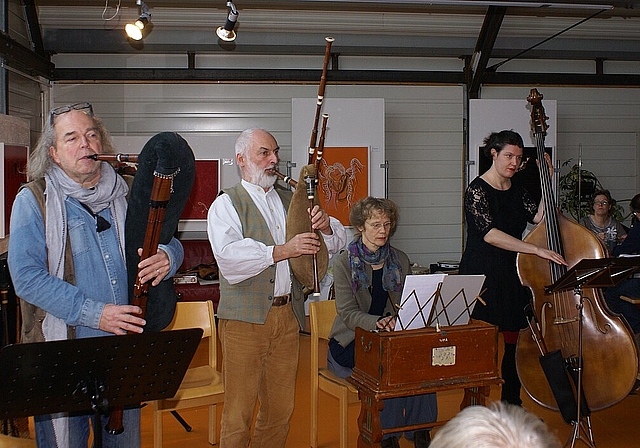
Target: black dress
x,y
509,211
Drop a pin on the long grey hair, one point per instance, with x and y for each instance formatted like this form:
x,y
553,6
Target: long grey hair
x,y
40,159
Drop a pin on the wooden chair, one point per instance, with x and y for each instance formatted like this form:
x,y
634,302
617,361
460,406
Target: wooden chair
x,y
16,442
202,385
321,317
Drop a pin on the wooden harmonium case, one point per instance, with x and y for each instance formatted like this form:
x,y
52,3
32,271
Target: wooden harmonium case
x,y
426,357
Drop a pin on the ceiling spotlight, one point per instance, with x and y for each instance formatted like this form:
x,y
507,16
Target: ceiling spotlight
x,y
226,32
134,30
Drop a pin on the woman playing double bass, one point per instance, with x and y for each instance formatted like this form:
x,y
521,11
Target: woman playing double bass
x,y
497,213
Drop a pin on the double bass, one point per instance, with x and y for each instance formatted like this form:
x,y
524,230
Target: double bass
x,y
609,356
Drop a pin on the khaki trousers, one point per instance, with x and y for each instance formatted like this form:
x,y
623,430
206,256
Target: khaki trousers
x,y
259,363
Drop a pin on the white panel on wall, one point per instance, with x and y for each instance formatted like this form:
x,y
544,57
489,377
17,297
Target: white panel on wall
x,y
424,148
494,115
351,122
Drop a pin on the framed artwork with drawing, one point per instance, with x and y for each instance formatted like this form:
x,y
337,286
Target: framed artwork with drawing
x,y
13,169
205,189
343,178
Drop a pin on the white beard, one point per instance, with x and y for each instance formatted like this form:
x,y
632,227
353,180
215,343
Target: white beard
x,y
258,176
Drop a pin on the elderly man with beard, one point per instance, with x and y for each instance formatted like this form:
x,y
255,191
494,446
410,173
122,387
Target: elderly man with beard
x,y
261,307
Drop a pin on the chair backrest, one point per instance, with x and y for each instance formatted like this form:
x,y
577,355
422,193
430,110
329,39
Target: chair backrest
x,y
197,315
321,317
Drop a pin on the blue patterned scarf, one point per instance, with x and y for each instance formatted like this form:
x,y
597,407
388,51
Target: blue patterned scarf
x,y
360,255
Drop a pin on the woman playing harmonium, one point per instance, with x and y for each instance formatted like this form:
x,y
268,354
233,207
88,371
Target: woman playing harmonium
x,y
368,281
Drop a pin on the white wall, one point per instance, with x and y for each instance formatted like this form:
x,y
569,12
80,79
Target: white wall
x,y
424,137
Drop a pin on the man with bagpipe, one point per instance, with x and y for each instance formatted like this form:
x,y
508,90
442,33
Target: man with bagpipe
x,y
261,307
67,254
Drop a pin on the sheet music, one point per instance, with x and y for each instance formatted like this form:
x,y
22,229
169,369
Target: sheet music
x,y
417,297
456,300
437,299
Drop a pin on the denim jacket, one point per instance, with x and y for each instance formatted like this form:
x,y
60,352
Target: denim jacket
x,y
100,269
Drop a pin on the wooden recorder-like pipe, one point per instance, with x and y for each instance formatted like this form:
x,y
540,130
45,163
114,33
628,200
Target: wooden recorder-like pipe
x,y
133,158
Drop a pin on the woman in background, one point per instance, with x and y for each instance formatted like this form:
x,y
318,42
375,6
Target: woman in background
x,y
497,213
368,279
608,230
629,287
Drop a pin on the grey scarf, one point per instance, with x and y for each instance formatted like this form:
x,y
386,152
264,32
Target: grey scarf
x,y
110,191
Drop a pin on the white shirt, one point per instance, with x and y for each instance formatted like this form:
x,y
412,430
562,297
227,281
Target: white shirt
x,y
241,258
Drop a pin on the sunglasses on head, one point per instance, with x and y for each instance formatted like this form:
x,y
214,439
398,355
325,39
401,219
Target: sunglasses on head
x,y
69,107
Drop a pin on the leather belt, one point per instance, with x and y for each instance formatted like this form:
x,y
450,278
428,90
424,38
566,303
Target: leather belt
x,y
281,300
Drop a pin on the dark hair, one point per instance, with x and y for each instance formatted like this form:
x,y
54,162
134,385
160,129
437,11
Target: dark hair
x,y
498,140
606,193
366,207
635,203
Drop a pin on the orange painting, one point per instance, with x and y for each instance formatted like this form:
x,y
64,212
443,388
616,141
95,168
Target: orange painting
x,y
343,179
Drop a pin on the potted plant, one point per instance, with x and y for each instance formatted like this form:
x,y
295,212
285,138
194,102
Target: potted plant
x,y
576,188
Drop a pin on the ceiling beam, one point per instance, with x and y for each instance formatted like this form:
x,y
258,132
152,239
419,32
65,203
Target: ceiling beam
x,y
252,75
24,59
33,26
484,46
79,75
561,79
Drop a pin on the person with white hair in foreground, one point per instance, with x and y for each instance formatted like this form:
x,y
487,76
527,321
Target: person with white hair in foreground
x,y
501,425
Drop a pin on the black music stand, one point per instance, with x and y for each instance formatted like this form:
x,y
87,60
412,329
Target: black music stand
x,y
596,273
94,374
590,273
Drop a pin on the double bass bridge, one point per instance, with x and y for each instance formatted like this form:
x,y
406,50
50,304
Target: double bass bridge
x,y
561,320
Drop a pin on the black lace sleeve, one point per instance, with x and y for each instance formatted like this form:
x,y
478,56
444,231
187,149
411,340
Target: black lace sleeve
x,y
476,205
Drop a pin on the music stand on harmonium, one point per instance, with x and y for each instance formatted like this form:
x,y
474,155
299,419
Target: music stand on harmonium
x,y
94,374
590,273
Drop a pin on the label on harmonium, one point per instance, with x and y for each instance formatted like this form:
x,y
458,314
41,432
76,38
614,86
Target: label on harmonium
x,y
443,356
